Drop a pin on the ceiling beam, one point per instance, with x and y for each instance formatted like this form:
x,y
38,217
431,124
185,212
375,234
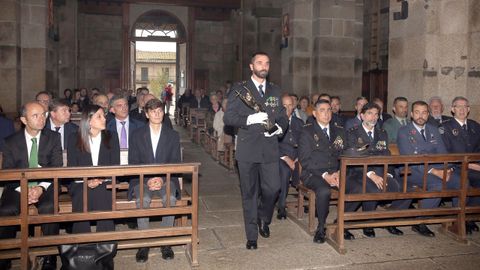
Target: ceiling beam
x,y
229,4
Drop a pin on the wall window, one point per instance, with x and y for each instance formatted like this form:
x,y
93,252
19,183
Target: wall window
x,y
166,71
144,74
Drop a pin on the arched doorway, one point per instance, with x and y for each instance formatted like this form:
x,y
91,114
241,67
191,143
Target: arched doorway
x,y
158,51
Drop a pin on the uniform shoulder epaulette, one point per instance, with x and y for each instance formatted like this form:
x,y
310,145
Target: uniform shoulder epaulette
x,y
448,120
307,125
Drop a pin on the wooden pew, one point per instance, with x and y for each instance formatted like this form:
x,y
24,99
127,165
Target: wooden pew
x,y
451,218
197,123
27,248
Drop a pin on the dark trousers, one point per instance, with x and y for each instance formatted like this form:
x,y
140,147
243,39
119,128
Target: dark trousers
x,y
435,184
99,199
260,186
392,186
474,181
322,197
11,207
285,175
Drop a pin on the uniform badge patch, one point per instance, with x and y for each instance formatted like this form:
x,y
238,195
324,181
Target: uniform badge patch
x,y
455,132
381,145
338,143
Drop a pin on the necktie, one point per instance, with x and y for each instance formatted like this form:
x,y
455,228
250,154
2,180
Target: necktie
x,y
423,134
325,130
260,90
370,136
33,160
57,129
123,136
464,127
404,122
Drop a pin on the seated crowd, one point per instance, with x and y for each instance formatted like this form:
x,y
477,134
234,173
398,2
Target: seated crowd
x,y
317,135
106,126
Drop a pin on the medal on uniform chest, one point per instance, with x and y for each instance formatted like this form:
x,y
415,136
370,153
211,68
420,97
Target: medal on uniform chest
x,y
315,137
381,145
455,132
338,142
360,141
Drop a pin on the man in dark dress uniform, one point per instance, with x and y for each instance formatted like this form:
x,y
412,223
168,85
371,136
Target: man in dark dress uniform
x,y
435,106
257,149
319,148
462,135
288,155
369,133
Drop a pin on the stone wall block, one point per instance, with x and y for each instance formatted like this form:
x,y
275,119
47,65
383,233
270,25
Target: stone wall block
x,y
453,17
8,77
8,11
38,15
336,66
301,65
8,33
323,27
33,36
337,28
301,28
337,9
301,45
34,58
348,28
8,56
33,80
414,53
474,15
335,46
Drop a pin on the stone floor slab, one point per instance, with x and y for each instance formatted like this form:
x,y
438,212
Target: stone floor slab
x,y
223,203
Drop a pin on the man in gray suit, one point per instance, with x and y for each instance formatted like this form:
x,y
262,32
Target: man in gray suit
x,y
399,119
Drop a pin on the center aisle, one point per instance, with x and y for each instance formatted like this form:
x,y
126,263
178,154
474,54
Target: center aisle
x,y
222,237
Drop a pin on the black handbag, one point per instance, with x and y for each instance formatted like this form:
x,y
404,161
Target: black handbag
x,y
95,256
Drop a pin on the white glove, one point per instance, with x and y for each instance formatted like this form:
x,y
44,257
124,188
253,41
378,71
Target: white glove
x,y
257,118
279,131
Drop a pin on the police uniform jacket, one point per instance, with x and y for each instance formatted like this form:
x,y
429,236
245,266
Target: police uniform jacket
x,y
289,143
318,153
252,145
411,142
458,140
357,138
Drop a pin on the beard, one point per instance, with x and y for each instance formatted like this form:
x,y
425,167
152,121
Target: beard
x,y
371,124
261,73
420,121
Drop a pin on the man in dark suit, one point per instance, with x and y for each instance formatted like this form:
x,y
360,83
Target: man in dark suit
x,y
154,143
288,155
399,119
31,147
435,106
257,146
419,138
139,113
462,135
59,120
382,116
356,121
319,148
122,124
337,118
6,129
198,101
371,135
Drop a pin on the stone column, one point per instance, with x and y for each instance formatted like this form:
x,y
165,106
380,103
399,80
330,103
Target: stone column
x,y
434,51
33,42
67,44
10,55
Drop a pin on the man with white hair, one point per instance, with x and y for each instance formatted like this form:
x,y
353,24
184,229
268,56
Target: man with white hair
x,y
435,106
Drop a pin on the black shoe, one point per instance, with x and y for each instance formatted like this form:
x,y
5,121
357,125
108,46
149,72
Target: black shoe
x,y
263,229
320,236
132,225
167,253
348,235
369,232
470,227
142,255
49,263
394,230
252,244
282,214
423,230
5,264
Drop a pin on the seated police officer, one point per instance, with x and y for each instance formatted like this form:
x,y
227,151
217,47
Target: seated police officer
x,y
319,148
375,142
462,135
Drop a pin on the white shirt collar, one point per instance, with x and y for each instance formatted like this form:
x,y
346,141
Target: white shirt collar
x,y
460,123
257,84
366,130
155,139
95,148
28,140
